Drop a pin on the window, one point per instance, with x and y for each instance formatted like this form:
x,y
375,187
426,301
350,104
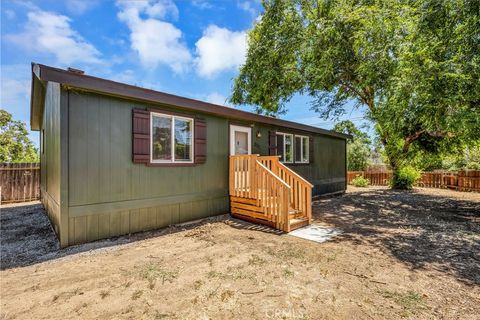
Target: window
x,y
285,147
301,149
171,139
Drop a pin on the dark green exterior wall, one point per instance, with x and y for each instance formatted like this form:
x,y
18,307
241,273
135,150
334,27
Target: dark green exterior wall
x,y
93,190
52,153
326,172
110,195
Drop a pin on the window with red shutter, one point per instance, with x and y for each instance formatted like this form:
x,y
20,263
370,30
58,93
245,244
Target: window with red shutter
x,y
172,138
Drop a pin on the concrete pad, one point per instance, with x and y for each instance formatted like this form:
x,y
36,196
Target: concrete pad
x,y
316,232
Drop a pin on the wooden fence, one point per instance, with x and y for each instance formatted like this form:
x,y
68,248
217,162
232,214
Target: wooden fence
x,y
19,182
458,180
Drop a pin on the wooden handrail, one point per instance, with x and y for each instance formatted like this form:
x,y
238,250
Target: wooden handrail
x,y
272,188
301,189
299,177
273,174
278,163
273,196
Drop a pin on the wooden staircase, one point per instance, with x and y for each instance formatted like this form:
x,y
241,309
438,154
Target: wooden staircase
x,y
263,190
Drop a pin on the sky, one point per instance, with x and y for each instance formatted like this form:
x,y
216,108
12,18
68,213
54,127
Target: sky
x,y
189,48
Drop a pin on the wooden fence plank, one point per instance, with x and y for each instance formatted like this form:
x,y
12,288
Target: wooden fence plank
x,y
19,182
460,180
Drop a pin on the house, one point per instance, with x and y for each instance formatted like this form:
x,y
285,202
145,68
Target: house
x,y
118,159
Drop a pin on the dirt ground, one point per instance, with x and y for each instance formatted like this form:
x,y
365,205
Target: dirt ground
x,y
400,255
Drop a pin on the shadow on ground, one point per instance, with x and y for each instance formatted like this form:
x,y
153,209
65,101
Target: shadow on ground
x,y
27,237
421,230
418,229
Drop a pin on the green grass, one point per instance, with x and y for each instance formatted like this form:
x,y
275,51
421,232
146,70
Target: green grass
x,y
232,273
256,261
288,273
288,253
154,271
410,301
137,294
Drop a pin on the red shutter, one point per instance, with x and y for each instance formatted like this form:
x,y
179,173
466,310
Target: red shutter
x,y
272,143
141,136
200,141
280,140
310,149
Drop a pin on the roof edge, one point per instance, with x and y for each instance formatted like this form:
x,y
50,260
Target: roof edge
x,y
109,87
36,98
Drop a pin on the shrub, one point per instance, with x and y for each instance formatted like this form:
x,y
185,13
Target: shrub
x,y
360,181
405,178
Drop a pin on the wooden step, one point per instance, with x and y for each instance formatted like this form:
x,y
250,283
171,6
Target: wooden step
x,y
293,213
298,223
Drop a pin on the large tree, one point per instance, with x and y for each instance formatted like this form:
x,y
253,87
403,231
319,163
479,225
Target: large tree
x,y
414,65
15,145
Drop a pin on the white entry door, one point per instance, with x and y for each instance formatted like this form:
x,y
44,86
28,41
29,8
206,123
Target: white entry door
x,y
240,140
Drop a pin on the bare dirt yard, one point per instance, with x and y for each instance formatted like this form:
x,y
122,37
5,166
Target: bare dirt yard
x,y
400,255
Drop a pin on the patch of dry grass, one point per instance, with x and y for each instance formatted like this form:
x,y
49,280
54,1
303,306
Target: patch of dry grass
x,y
154,271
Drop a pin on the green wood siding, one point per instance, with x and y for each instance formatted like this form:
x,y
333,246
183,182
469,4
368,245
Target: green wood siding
x,y
53,159
102,193
50,154
326,173
110,195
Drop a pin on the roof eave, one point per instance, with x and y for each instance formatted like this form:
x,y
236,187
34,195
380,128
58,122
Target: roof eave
x,y
103,86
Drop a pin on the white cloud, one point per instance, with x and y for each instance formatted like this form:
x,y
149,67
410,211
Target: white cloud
x,y
216,98
51,33
248,7
78,7
202,4
155,41
13,91
218,50
10,14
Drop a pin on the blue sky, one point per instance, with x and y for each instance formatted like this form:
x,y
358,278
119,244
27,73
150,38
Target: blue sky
x,y
190,48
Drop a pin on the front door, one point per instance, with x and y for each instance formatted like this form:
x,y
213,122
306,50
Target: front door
x,y
240,140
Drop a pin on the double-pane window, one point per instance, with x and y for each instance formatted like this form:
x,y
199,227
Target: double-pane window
x,y
171,138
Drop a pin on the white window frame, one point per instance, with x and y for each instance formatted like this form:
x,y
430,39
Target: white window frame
x,y
301,148
172,137
285,144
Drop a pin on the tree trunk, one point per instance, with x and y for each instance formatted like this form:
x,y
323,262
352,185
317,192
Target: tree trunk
x,y
395,167
398,160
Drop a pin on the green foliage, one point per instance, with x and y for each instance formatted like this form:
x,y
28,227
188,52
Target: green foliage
x,y
270,73
360,181
461,158
15,145
357,156
405,178
414,64
348,127
358,147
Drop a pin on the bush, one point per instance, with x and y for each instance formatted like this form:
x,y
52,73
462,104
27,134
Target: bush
x,y
360,181
405,178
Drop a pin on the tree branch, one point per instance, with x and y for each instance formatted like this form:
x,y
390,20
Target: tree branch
x,y
351,88
409,139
